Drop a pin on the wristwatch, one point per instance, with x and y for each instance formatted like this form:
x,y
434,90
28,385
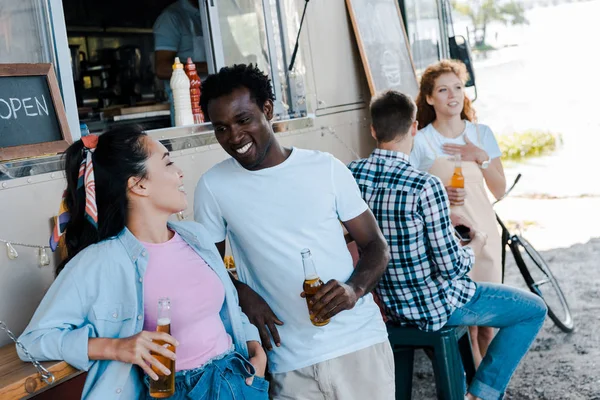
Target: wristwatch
x,y
485,164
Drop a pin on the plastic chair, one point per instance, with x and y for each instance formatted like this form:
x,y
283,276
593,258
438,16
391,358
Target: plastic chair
x,y
451,351
449,345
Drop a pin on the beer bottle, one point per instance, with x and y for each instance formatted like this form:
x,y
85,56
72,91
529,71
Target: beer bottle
x,y
165,385
458,180
312,283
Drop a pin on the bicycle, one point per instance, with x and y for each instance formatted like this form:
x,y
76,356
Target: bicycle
x,y
536,272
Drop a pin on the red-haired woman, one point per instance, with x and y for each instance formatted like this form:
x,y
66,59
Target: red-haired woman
x,y
449,128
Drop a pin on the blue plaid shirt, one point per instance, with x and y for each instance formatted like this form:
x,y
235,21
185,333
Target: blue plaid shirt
x,y
426,279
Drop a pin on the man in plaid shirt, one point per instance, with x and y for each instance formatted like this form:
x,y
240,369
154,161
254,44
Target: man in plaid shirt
x,y
426,283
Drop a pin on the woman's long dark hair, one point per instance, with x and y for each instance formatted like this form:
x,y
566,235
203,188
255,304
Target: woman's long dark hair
x,y
119,155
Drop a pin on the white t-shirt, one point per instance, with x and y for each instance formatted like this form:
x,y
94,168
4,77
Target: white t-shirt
x,y
272,214
422,154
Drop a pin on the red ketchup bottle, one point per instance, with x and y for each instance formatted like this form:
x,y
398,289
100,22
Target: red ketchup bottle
x,y
190,70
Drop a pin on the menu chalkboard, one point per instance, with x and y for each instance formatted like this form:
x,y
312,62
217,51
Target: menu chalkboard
x,y
383,45
32,116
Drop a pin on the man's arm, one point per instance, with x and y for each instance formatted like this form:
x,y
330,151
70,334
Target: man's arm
x,y
452,260
256,309
373,250
163,60
336,296
252,332
167,35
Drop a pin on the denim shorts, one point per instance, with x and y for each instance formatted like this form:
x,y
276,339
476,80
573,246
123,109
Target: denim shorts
x,y
222,378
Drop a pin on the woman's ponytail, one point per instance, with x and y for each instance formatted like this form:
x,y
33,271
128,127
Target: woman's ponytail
x,y
119,155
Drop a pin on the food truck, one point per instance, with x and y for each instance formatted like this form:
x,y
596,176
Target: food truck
x,y
72,66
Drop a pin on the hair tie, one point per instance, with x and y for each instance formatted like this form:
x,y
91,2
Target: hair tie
x,y
90,141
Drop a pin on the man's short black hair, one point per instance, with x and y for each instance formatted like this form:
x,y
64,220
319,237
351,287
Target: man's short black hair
x,y
230,78
392,114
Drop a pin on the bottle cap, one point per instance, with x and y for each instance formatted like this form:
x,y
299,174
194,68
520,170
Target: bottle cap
x,y
177,64
190,64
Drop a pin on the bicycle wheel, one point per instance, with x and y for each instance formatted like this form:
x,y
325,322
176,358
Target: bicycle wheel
x,y
542,282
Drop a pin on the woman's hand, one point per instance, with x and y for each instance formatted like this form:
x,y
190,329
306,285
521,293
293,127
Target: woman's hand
x,y
258,359
468,151
478,240
456,195
136,350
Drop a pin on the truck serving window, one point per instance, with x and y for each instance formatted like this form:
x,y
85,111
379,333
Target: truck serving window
x,y
32,32
261,32
24,33
423,29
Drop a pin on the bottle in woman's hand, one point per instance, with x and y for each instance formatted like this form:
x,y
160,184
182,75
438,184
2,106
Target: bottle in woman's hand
x,y
456,191
164,386
457,180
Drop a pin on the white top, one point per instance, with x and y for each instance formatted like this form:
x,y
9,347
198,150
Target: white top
x,y
270,216
429,144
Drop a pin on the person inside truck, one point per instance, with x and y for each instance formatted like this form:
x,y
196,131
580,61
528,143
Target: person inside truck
x,y
100,315
448,129
178,32
273,202
426,283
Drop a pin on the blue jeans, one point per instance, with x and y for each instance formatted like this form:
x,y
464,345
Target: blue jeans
x,y
223,378
519,315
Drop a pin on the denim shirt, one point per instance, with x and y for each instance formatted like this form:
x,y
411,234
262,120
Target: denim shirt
x,y
99,294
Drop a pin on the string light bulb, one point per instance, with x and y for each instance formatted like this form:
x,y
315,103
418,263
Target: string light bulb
x,y
11,252
43,257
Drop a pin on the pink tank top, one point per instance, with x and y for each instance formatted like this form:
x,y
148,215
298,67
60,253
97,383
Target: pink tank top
x,y
176,271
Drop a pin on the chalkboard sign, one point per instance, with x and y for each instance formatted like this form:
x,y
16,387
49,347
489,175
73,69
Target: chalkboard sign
x,y
383,45
32,116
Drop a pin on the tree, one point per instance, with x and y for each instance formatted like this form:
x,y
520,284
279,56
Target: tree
x,y
482,12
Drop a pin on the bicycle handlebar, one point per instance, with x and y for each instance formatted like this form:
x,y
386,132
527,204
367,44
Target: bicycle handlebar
x,y
509,189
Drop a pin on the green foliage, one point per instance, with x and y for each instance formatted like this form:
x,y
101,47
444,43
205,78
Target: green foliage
x,y
483,47
513,13
529,143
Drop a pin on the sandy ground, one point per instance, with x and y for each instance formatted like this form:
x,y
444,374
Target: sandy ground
x,y
558,366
